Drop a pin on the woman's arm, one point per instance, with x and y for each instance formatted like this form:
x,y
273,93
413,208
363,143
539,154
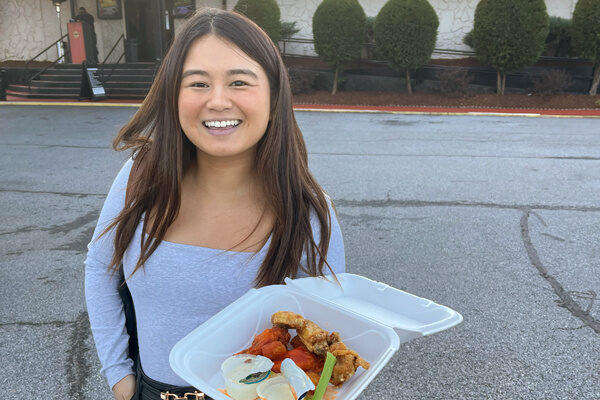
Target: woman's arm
x,y
104,305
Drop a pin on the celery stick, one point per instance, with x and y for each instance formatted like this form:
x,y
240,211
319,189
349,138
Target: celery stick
x,y
325,376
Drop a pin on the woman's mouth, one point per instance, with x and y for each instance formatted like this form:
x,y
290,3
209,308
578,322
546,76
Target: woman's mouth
x,y
221,127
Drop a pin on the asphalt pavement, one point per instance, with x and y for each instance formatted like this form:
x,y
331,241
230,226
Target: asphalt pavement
x,y
495,217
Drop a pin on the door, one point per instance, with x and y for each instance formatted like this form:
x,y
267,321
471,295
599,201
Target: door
x,y
150,24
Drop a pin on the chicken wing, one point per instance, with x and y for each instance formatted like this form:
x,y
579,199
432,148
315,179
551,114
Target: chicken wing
x,y
347,361
313,343
311,335
275,334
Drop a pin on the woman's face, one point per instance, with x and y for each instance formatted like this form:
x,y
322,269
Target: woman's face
x,y
224,99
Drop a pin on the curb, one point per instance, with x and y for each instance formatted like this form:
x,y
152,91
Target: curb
x,y
471,111
342,108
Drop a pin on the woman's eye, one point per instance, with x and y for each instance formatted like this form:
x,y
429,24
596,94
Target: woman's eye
x,y
199,84
239,83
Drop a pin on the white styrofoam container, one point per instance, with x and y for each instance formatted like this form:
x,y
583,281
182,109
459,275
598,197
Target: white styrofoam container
x,y
371,317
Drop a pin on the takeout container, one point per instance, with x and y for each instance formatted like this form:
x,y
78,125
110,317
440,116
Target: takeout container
x,y
372,318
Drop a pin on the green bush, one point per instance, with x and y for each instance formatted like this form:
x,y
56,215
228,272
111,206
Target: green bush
x,y
509,34
468,38
288,29
551,81
265,13
302,80
585,35
454,82
558,41
338,33
405,33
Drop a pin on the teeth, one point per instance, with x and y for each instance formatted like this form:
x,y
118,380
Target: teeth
x,y
221,124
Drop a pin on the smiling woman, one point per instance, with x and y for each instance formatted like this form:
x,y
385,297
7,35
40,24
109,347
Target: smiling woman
x,y
224,99
216,199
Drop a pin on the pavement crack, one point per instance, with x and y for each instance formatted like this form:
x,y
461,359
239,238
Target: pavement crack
x,y
30,323
68,194
565,298
553,237
460,203
77,223
77,367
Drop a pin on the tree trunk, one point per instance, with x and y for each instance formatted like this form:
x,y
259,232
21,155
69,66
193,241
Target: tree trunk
x,y
408,84
498,83
335,80
503,83
595,81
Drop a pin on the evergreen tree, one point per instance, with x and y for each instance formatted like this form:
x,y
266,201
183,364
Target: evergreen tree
x,y
338,33
265,13
405,33
585,35
509,35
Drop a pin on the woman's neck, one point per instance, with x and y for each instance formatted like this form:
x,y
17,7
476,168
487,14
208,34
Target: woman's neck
x,y
225,179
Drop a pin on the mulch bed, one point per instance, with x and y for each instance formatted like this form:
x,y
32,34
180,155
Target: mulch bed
x,y
479,100
563,101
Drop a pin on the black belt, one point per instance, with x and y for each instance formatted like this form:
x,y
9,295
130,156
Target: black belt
x,y
149,389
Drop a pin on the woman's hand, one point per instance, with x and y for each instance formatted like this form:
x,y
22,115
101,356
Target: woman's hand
x,y
125,388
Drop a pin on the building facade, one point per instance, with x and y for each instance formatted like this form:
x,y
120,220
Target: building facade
x,y
29,26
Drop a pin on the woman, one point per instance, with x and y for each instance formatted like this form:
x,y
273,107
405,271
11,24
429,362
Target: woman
x,y
217,199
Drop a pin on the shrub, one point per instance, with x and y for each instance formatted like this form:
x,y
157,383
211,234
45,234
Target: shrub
x,y
265,13
288,29
468,38
597,103
301,80
551,81
369,40
454,82
558,41
405,33
585,35
338,32
509,34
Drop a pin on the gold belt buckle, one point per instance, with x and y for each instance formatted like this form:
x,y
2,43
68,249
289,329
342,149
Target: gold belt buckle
x,y
170,396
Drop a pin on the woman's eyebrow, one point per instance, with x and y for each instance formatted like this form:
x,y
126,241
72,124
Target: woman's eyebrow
x,y
242,72
193,72
229,73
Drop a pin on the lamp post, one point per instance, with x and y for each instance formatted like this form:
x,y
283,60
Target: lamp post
x,y
59,44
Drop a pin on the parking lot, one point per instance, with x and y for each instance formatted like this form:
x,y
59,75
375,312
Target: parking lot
x,y
495,217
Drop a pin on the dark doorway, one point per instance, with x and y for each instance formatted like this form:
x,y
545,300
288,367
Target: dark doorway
x,y
149,29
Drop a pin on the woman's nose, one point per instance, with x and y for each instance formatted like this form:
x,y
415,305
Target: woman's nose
x,y
219,99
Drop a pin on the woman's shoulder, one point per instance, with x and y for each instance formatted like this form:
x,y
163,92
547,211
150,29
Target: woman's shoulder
x,y
123,175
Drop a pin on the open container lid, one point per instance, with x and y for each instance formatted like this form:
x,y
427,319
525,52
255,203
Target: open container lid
x,y
372,318
410,316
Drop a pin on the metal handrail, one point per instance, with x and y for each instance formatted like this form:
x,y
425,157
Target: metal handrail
x,y
46,49
104,80
29,79
42,71
107,56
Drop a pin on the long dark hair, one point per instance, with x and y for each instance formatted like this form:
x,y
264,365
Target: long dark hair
x,y
155,136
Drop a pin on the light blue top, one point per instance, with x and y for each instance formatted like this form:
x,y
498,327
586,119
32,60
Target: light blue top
x,y
179,288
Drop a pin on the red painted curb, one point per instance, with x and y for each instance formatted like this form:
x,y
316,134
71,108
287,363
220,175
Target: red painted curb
x,y
398,109
452,110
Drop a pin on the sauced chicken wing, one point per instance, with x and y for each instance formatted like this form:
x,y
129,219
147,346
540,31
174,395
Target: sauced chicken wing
x,y
265,338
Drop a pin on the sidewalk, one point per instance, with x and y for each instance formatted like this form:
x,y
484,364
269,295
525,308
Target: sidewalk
x,y
430,110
